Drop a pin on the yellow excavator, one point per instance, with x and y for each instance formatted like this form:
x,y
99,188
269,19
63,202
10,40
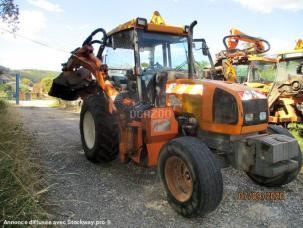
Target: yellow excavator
x,y
279,77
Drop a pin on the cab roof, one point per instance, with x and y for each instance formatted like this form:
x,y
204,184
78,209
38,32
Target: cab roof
x,y
262,59
291,52
156,24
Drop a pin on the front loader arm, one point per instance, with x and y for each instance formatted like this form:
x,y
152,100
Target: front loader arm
x,y
84,57
72,83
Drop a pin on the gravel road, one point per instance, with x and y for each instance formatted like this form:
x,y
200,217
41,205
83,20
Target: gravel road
x,y
132,196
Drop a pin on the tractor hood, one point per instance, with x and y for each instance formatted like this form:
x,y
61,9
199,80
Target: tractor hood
x,y
218,105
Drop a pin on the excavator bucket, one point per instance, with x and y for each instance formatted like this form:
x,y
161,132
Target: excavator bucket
x,y
71,85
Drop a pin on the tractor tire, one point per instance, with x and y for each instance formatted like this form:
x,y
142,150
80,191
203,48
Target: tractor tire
x,y
99,130
190,175
284,178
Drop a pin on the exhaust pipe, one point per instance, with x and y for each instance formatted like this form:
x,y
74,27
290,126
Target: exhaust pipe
x,y
190,50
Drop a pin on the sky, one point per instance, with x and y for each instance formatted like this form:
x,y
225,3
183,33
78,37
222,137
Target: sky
x,y
64,24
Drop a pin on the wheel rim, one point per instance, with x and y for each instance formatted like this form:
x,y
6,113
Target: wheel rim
x,y
89,130
178,178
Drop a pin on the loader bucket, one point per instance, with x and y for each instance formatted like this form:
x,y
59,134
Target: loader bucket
x,y
70,85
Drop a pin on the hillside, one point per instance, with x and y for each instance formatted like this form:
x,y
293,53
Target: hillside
x,y
33,74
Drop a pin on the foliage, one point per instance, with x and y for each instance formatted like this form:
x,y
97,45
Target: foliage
x,y
36,75
47,83
4,70
25,81
144,65
9,13
24,88
32,74
5,89
3,106
201,65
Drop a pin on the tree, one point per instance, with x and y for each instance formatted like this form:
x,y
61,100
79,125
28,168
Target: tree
x,y
47,83
144,65
9,13
25,81
4,70
201,65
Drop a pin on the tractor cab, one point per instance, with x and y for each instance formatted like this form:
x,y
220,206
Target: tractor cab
x,y
290,63
258,72
140,55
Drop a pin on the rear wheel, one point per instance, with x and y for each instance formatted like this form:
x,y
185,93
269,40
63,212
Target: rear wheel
x,y
284,178
191,177
99,130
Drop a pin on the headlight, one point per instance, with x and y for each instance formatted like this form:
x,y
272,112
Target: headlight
x,y
249,117
262,115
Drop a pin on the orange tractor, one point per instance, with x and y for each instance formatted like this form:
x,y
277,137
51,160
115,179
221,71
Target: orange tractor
x,y
143,105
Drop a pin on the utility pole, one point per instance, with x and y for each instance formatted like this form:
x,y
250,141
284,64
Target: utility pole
x,y
17,88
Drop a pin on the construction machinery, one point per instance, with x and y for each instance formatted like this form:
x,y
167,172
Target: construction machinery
x,y
278,77
286,93
143,105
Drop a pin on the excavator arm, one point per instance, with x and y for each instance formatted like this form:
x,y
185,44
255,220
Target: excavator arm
x,y
233,54
254,45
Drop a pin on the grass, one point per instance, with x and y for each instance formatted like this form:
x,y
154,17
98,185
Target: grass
x,y
21,187
298,137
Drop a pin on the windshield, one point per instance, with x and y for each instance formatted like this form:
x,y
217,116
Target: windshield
x,y
262,72
119,57
288,67
160,52
241,72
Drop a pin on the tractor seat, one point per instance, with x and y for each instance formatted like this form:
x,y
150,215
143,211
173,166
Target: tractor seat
x,y
156,87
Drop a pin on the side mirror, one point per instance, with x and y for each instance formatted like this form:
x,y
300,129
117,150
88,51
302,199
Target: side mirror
x,y
204,48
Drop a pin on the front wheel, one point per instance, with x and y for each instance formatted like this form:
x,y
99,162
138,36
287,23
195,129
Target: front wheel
x,y
284,178
191,177
99,130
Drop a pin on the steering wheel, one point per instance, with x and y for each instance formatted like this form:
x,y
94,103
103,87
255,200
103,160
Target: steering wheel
x,y
156,66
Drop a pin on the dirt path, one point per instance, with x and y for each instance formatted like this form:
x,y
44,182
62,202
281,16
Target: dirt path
x,y
132,196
